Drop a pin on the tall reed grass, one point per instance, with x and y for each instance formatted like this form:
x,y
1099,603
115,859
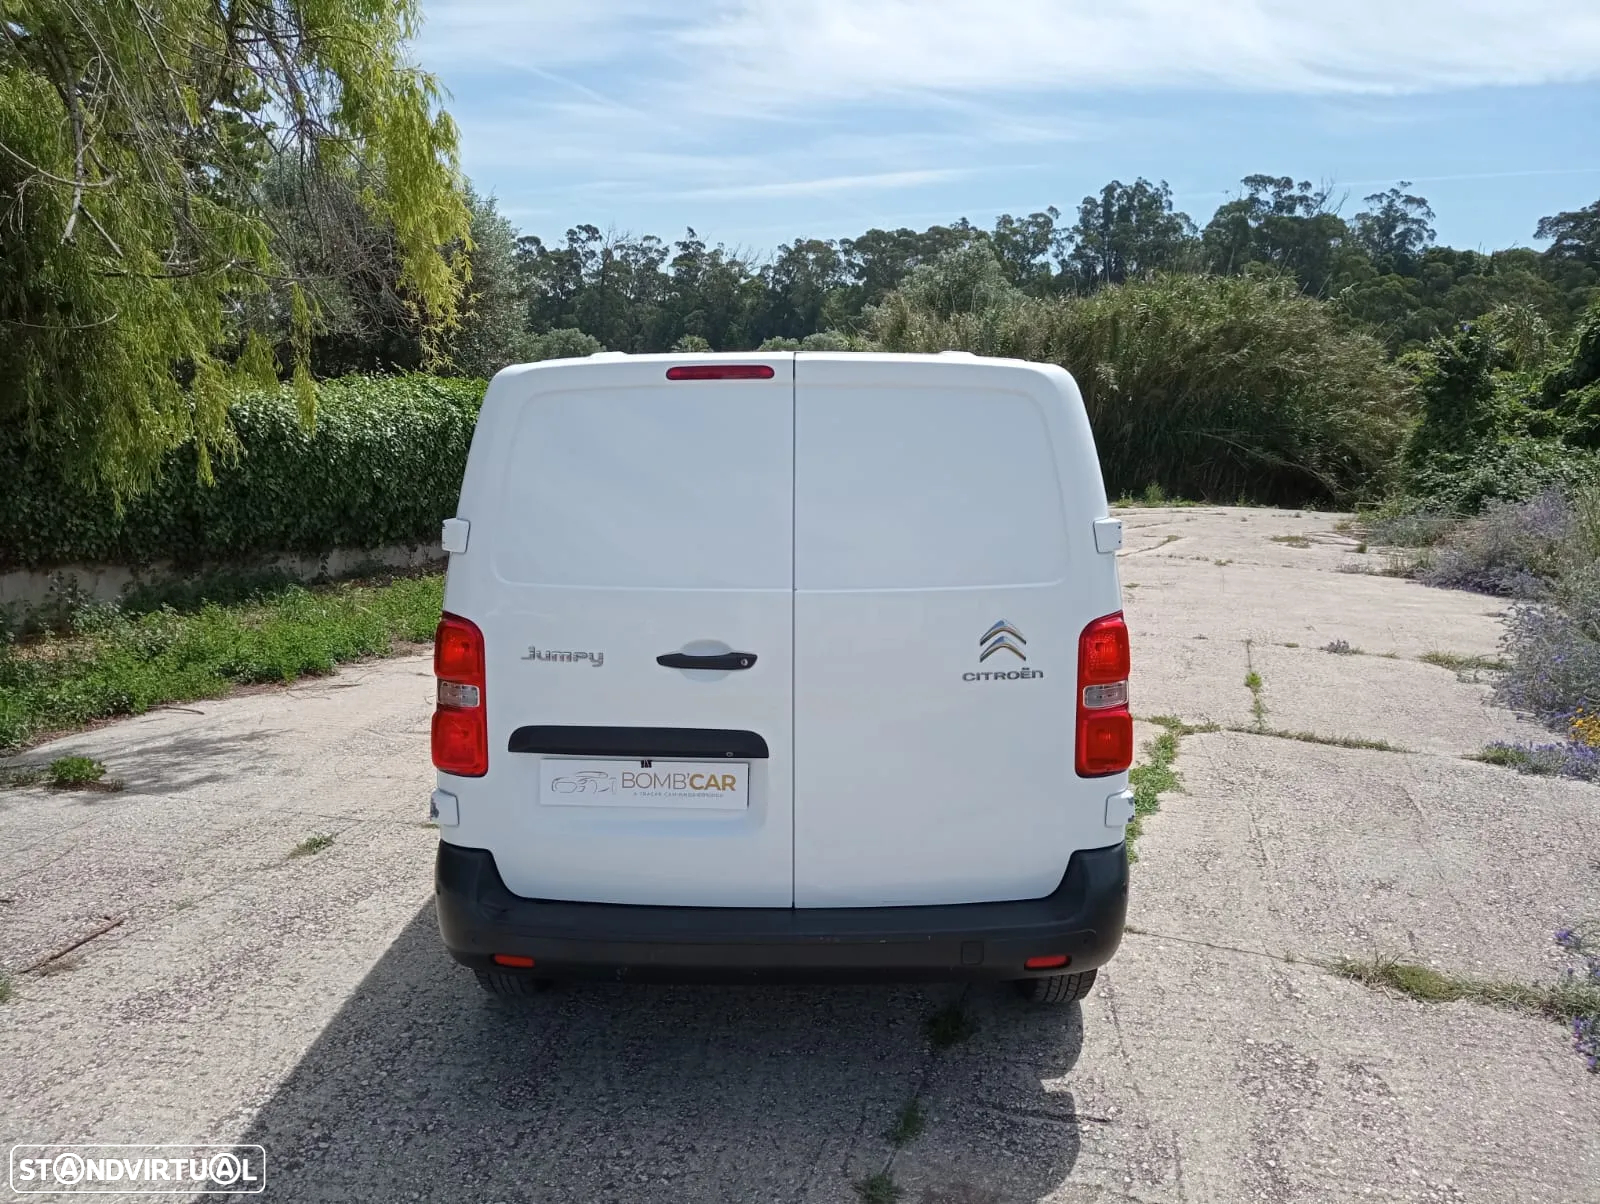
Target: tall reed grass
x,y
1217,388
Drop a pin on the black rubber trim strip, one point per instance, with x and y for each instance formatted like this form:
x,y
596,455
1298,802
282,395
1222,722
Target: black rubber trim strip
x,y
641,743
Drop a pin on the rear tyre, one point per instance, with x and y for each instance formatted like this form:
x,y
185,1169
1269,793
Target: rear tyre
x,y
1056,988
511,986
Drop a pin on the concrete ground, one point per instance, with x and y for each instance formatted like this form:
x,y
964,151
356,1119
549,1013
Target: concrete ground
x,y
305,1003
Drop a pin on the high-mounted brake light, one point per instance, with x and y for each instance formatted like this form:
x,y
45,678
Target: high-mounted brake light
x,y
460,724
721,372
1105,726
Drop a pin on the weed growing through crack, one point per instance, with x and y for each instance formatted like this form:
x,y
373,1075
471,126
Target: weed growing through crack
x,y
1150,780
1293,541
1155,776
1566,760
879,1188
1313,738
1461,663
908,1124
21,775
314,843
68,773
1340,648
1253,683
1574,999
6,988
950,1026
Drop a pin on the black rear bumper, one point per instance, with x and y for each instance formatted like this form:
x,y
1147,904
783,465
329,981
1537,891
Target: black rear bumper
x,y
1082,918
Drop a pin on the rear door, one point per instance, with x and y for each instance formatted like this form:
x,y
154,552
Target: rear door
x,y
939,593
618,517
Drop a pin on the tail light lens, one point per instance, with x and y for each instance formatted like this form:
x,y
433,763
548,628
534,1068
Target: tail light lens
x,y
460,724
1105,726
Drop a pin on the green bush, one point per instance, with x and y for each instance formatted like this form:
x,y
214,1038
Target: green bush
x,y
383,465
1215,388
1499,424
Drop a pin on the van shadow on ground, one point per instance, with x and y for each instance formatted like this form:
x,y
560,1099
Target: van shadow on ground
x,y
421,1088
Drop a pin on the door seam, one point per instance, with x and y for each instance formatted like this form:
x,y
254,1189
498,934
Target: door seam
x,y
794,632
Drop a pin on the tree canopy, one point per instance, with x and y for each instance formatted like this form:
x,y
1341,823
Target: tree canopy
x,y
147,250
1380,268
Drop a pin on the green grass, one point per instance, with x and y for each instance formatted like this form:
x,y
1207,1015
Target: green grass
x,y
1253,683
1293,541
879,1188
1155,776
314,843
1179,726
1562,1001
950,1026
7,990
1522,759
908,1124
1313,738
126,665
70,772
1507,755
1461,663
1150,780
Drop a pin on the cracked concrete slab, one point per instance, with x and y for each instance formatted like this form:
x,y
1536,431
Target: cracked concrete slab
x,y
1304,849
1199,1074
307,1003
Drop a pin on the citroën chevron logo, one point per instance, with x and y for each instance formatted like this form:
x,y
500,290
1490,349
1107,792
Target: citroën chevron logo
x,y
1001,636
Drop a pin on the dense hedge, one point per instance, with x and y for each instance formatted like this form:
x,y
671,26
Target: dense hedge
x,y
382,466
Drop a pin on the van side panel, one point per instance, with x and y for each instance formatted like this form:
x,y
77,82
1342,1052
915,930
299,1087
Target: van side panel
x,y
944,568
616,517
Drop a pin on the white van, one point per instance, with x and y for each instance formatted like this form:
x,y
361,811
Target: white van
x,y
783,665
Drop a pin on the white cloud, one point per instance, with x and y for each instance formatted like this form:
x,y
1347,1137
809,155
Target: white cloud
x,y
780,51
772,55
825,186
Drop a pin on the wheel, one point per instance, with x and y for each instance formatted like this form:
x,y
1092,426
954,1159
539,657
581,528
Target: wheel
x,y
1056,988
511,986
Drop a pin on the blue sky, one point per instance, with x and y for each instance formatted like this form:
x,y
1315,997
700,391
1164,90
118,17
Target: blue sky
x,y
759,121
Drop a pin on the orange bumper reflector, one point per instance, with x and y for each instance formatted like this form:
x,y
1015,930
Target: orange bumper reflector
x,y
512,959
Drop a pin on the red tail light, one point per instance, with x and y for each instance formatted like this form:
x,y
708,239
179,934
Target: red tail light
x,y
460,724
721,372
1105,726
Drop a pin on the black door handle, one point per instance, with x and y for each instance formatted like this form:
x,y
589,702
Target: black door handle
x,y
716,660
